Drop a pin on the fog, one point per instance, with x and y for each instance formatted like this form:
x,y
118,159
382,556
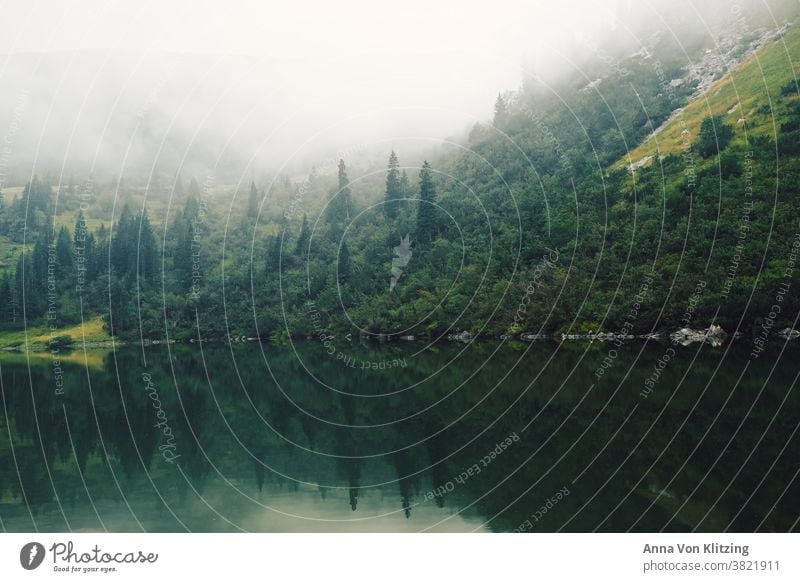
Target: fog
x,y
242,87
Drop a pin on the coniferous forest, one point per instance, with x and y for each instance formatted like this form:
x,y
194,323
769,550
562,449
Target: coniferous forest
x,y
521,266
551,174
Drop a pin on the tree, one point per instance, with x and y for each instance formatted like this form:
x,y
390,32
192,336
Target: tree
x,y
252,202
122,244
405,185
500,111
83,244
302,240
147,252
8,301
194,189
64,256
427,227
339,207
177,191
715,135
273,262
394,189
343,266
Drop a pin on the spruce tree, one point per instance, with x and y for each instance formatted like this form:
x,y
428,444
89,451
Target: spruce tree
x,y
427,227
147,253
83,250
302,240
500,111
405,185
64,259
340,205
252,202
343,265
394,191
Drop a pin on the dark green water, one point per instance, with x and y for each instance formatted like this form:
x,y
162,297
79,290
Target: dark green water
x,y
257,438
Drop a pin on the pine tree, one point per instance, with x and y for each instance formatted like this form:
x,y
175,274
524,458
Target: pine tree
x,y
302,240
182,264
339,207
123,244
394,191
343,265
273,262
194,189
83,252
100,258
178,189
64,259
427,227
147,264
252,203
405,185
191,210
7,302
500,111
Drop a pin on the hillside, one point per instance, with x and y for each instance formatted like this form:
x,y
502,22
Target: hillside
x,y
533,223
751,97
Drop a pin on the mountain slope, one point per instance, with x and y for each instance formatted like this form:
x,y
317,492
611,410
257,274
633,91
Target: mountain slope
x,y
750,97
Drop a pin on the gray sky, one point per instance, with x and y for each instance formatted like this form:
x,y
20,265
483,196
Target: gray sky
x,y
437,65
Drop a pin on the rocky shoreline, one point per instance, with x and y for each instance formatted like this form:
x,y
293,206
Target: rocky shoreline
x,y
713,335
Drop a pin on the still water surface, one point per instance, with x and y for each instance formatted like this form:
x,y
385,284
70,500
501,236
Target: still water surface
x,y
480,437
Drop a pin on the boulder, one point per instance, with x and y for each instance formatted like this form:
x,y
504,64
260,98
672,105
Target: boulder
x,y
713,335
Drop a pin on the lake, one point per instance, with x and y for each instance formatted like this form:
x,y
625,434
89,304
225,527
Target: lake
x,y
487,436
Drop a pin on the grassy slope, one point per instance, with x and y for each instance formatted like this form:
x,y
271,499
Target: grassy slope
x,y
92,330
755,82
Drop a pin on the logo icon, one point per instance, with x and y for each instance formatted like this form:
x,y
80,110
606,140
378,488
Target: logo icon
x,y
403,252
31,555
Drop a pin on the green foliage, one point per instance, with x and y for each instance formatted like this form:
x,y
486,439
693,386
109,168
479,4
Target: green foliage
x,y
427,222
715,135
394,188
537,215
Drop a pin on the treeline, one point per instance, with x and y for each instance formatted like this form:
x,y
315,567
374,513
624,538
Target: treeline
x,y
455,245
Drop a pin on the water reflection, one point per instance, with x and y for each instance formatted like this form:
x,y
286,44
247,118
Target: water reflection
x,y
262,439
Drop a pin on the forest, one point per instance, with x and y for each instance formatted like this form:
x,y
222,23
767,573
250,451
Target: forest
x,y
538,222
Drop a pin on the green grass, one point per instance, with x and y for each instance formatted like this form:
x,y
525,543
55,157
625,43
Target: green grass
x,y
755,82
9,253
91,330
